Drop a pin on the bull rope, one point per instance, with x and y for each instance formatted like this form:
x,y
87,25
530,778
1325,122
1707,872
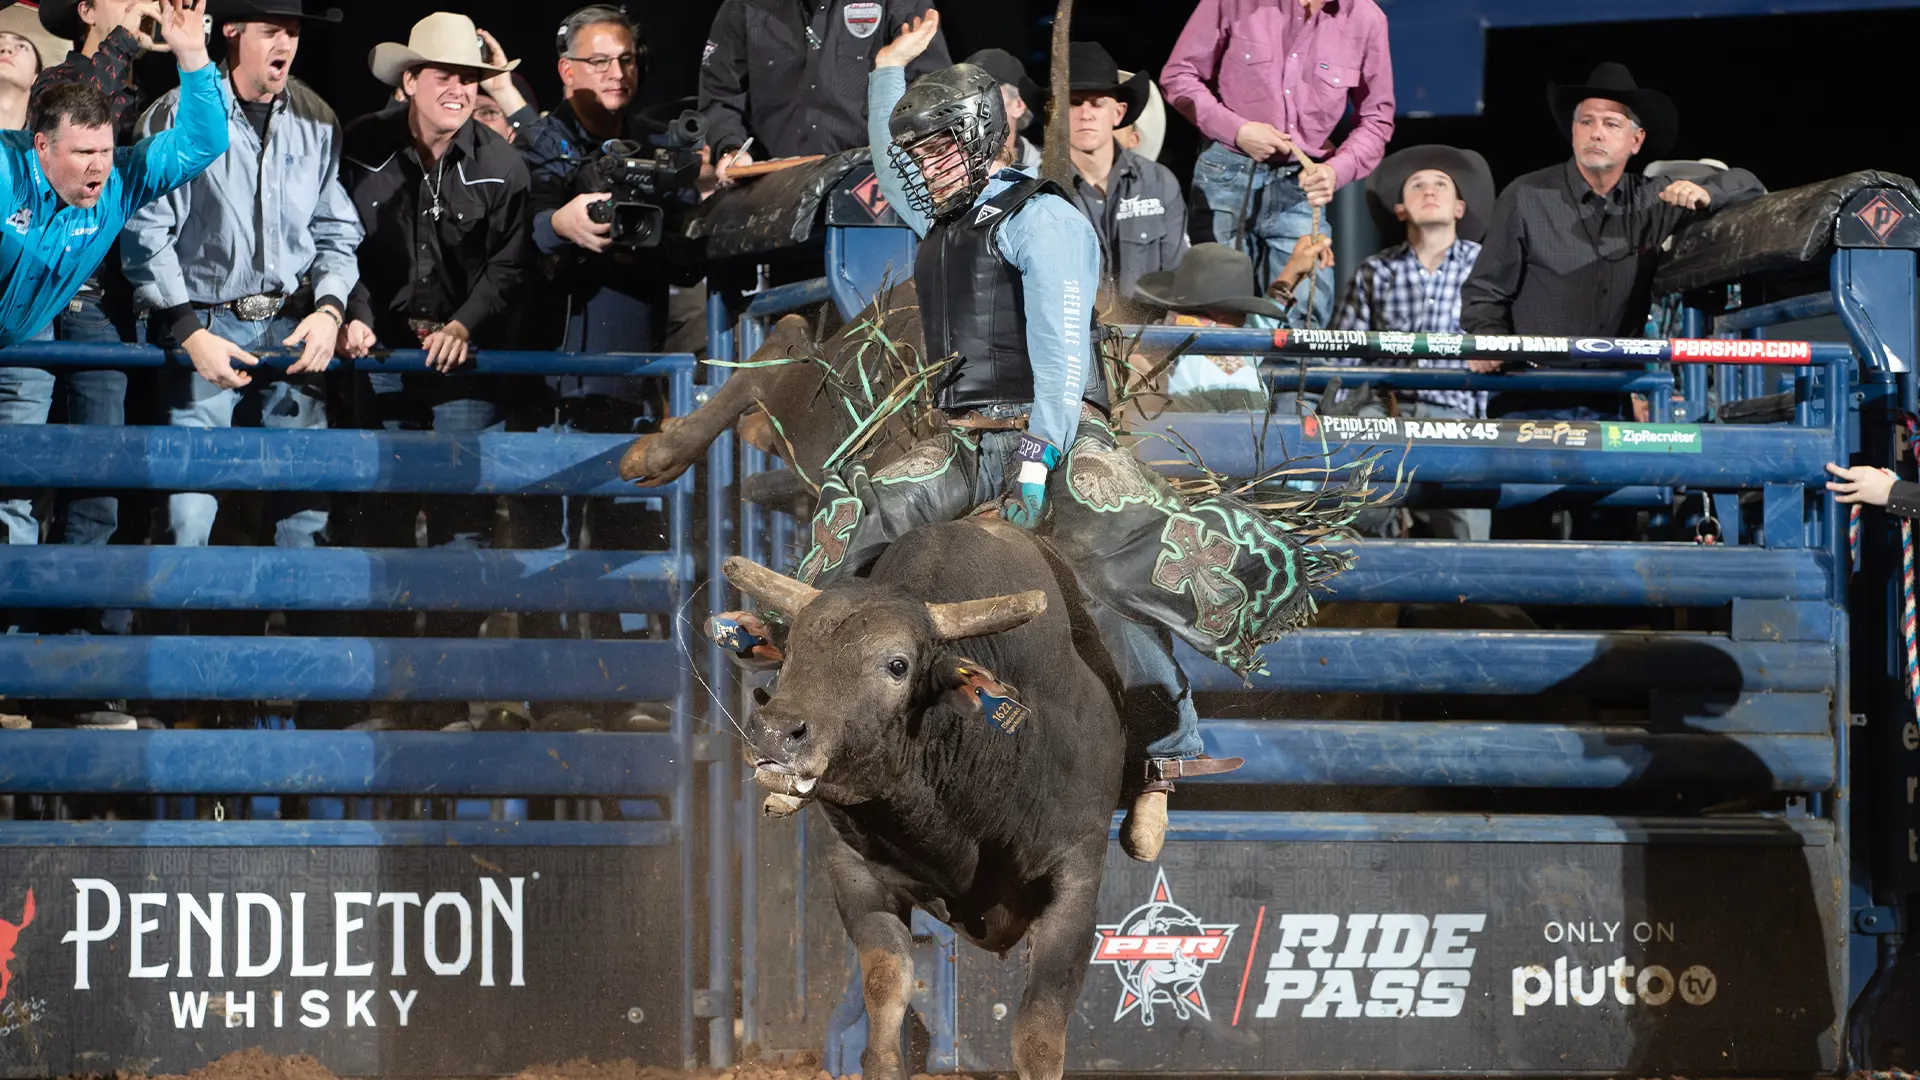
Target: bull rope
x,y
1313,279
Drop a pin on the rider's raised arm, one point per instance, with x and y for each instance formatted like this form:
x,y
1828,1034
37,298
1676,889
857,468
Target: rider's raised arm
x,y
885,87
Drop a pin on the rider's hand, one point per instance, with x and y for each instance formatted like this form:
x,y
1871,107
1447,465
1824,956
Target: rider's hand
x,y
213,358
913,40
1025,505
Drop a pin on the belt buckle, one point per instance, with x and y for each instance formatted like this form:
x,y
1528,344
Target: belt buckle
x,y
424,328
257,308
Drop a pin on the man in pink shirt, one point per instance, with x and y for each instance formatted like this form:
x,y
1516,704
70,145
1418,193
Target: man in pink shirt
x,y
1258,78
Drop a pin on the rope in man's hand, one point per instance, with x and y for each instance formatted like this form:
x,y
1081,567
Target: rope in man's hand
x,y
1313,279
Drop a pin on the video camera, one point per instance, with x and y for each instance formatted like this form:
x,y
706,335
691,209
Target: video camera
x,y
644,182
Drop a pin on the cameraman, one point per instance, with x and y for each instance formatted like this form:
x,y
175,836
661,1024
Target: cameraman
x,y
600,294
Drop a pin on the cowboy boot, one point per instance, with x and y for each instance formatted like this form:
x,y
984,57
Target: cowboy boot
x,y
1144,830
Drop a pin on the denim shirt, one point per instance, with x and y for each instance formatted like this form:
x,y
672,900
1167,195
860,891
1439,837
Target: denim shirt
x,y
48,249
254,222
1052,245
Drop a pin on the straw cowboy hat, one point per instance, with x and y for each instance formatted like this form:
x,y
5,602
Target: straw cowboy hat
x,y
1211,277
24,21
443,39
1471,178
1614,82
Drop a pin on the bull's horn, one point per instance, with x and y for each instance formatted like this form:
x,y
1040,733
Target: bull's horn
x,y
976,618
777,591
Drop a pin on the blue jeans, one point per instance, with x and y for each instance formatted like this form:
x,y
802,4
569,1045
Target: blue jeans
x,y
271,400
1277,214
97,397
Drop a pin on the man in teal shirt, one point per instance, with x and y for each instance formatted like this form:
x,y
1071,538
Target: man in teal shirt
x,y
68,189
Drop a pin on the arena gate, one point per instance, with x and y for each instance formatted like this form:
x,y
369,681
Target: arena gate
x,y
381,899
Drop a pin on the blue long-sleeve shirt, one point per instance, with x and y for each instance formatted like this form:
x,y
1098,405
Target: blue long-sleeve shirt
x,y
258,220
1052,245
48,249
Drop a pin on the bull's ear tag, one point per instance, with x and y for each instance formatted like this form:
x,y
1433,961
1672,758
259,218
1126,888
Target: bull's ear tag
x,y
994,698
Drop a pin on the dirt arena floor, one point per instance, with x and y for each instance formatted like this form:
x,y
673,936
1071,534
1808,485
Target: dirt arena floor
x,y
256,1065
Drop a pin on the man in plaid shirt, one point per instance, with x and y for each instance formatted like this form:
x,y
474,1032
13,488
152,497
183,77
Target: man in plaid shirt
x,y
1440,197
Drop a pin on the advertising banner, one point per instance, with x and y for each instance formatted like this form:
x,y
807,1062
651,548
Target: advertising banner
x,y
402,961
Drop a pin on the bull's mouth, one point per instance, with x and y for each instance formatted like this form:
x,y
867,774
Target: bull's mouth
x,y
779,777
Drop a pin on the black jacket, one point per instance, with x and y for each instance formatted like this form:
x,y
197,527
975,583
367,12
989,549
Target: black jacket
x,y
468,265
793,73
1142,221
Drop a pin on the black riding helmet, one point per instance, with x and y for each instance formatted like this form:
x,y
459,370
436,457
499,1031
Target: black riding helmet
x,y
963,102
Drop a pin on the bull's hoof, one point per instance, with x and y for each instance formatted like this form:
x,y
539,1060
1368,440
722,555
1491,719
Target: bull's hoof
x,y
645,463
1144,830
779,806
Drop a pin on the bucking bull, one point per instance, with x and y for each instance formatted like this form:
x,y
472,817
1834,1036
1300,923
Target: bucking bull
x,y
989,811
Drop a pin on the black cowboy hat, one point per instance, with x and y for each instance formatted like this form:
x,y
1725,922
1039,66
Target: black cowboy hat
x,y
62,17
1008,69
1089,67
1615,83
1470,176
1211,277
242,10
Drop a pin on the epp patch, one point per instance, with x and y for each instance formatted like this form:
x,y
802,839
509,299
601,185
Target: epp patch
x,y
862,19
987,213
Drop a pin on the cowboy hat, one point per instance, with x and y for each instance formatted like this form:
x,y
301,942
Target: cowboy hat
x,y
248,10
1471,178
1151,124
1211,277
61,18
1089,67
1696,169
1008,69
26,23
443,39
1614,82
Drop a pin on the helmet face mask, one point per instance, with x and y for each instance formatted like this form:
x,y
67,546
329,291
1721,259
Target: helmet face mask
x,y
948,130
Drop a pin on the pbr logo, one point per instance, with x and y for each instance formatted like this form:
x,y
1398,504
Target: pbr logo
x,y
1161,952
10,937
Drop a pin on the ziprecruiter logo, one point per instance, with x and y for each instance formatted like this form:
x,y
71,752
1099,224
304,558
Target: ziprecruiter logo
x,y
1651,438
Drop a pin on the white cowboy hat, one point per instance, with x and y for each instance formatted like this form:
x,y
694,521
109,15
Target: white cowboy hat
x,y
444,39
1151,123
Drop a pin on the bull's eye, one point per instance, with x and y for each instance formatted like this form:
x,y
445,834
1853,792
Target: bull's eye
x,y
897,668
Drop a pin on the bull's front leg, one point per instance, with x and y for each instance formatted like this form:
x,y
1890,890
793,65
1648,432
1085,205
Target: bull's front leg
x,y
876,920
1057,966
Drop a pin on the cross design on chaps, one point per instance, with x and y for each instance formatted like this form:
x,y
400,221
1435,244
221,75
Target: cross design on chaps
x,y
1202,565
832,532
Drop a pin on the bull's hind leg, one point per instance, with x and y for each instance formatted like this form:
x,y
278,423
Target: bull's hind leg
x,y
876,920
1057,967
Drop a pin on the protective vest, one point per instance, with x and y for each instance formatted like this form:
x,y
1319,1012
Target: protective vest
x,y
972,307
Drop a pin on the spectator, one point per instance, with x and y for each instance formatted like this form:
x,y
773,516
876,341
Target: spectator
x,y
1213,287
255,253
1023,99
108,36
1259,79
19,66
792,74
1571,248
88,190
1134,204
445,204
1439,198
488,112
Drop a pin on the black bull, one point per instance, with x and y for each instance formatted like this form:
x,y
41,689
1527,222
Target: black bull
x,y
1001,835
